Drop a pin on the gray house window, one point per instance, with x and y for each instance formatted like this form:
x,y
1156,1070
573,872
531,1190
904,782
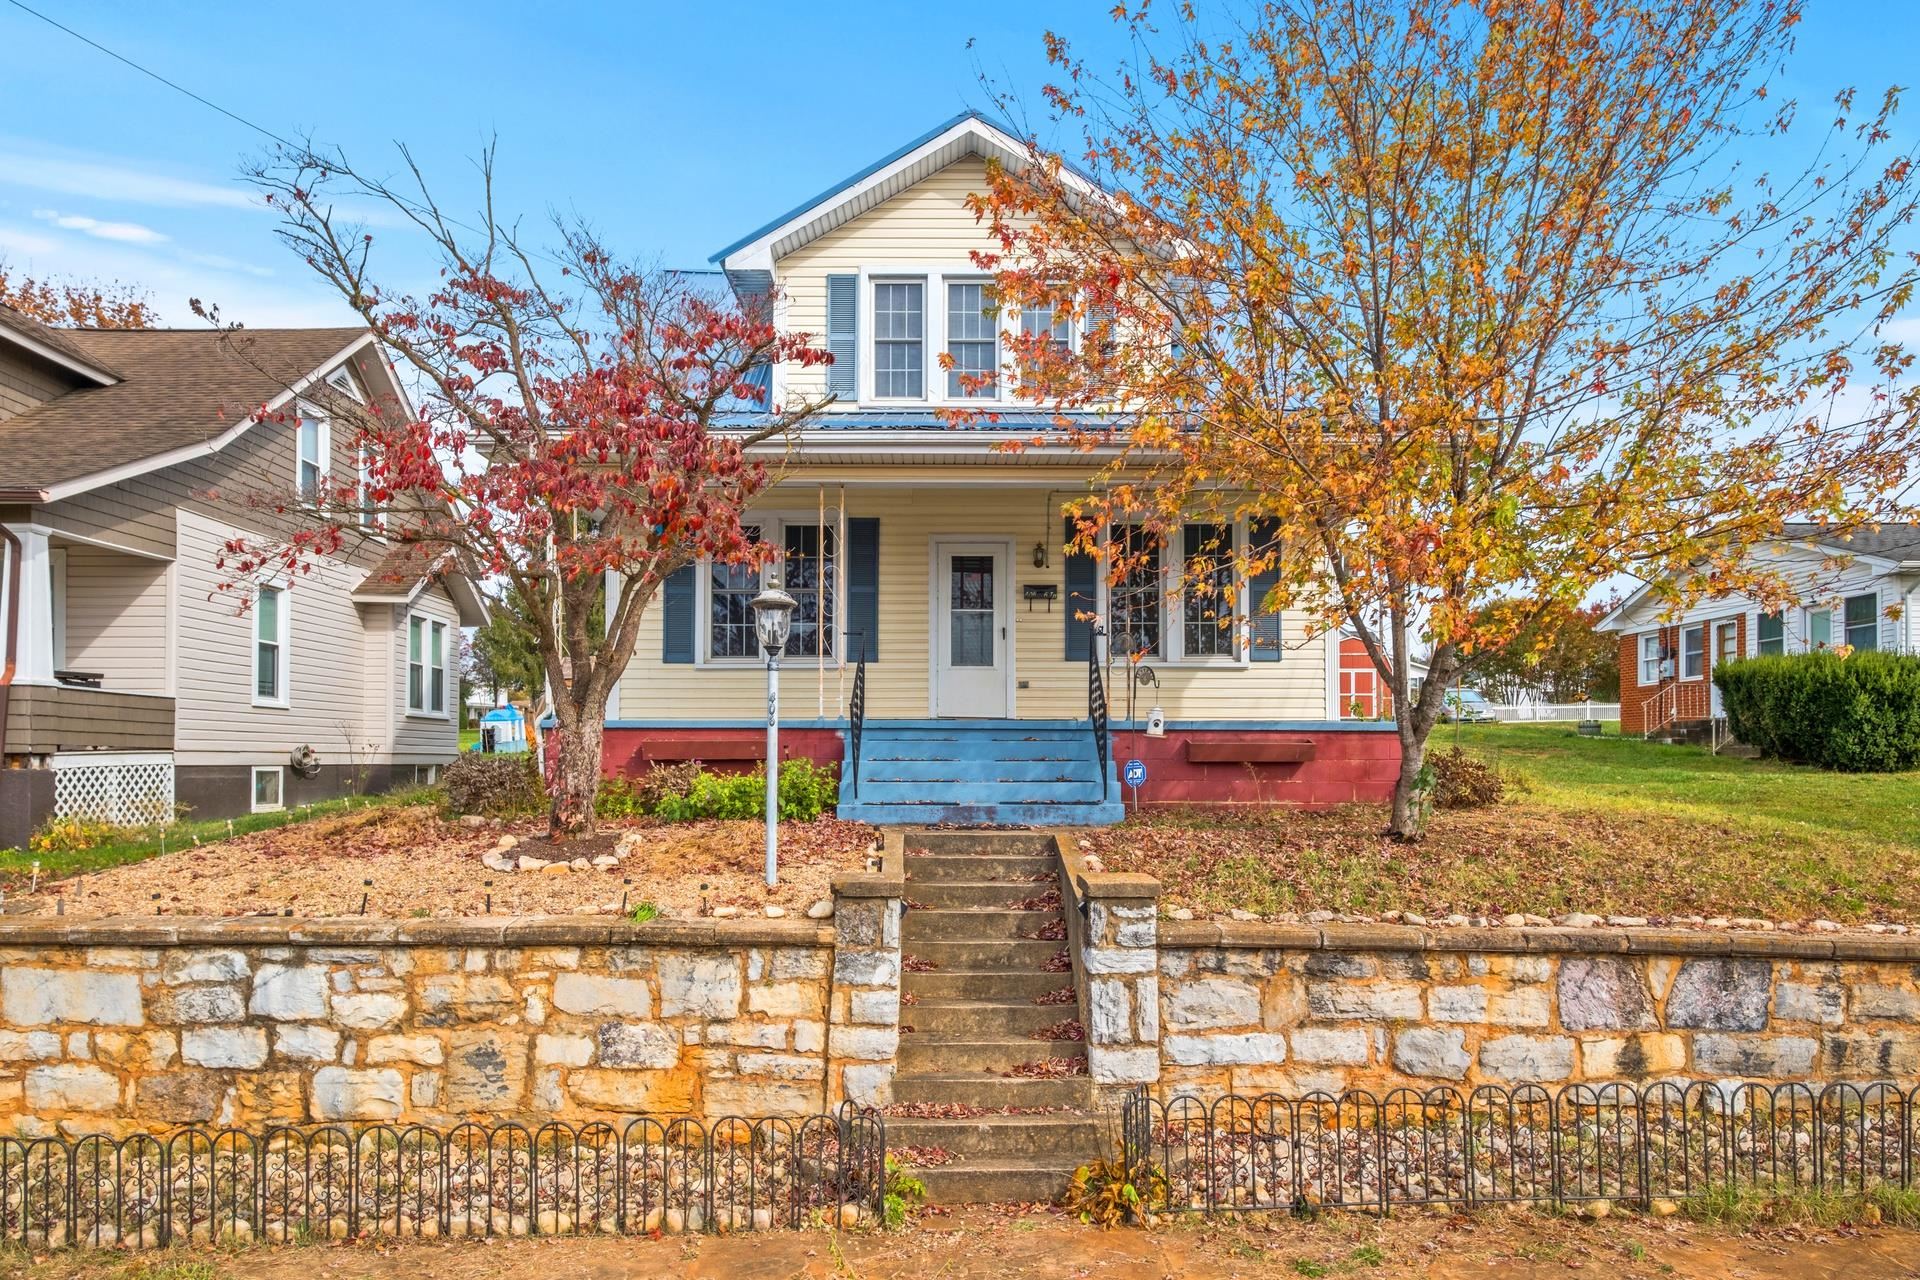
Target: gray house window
x,y
1772,634
973,340
1863,621
899,339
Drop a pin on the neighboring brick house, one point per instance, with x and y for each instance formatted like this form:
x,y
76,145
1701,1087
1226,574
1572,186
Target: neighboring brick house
x,y
1859,591
131,680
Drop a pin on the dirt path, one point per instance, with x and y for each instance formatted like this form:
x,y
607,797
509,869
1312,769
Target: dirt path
x,y
989,1246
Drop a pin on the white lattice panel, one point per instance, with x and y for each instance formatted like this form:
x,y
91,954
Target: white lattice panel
x,y
126,788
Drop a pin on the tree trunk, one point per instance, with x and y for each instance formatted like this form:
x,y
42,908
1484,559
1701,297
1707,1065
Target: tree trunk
x,y
1408,820
575,778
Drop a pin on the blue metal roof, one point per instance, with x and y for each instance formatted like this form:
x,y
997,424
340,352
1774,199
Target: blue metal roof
x,y
874,168
929,420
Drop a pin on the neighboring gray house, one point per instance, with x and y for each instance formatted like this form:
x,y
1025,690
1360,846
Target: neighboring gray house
x,y
129,679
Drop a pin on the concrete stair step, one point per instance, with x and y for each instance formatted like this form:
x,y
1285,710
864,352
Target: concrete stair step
x,y
934,1053
975,895
995,1181
989,789
993,1091
987,956
1005,844
985,985
872,773
998,923
984,748
1063,1136
985,1019
1016,813
980,868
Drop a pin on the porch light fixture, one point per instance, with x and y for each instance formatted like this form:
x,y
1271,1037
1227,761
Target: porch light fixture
x,y
1040,555
773,618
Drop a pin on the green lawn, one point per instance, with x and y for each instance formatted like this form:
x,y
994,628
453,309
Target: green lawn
x,y
1625,775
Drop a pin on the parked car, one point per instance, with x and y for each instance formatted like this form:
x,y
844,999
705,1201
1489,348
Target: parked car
x,y
1467,706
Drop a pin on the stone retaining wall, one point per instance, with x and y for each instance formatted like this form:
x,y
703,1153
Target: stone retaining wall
x,y
111,1025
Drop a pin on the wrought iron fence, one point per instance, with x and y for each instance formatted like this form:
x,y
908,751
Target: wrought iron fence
x,y
1580,1144
332,1182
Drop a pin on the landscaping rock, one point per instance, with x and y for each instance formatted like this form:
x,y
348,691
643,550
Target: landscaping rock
x,y
725,913
527,862
506,844
775,912
494,861
1578,920
821,910
606,862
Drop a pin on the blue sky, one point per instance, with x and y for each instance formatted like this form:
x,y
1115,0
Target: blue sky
x,y
674,127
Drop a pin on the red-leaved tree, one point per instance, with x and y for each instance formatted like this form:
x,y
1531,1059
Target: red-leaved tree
x,y
583,427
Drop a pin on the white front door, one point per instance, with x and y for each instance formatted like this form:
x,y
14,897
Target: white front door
x,y
1726,647
970,659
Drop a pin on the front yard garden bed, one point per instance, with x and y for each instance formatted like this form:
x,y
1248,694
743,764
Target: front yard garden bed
x,y
409,860
1606,827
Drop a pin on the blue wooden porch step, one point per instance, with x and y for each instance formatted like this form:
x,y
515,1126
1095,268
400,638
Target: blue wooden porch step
x,y
979,772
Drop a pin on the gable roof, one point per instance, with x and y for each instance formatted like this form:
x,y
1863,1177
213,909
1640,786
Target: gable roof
x,y
178,393
409,568
23,331
968,134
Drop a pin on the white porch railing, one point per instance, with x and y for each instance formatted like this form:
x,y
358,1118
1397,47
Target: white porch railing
x,y
1524,711
125,788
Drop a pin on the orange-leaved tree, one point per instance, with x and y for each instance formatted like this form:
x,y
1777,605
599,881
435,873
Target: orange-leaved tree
x,y
69,304
584,429
1465,303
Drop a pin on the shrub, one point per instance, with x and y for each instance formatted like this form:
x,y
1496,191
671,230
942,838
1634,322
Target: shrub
x,y
71,835
653,787
806,790
496,785
1463,781
1856,712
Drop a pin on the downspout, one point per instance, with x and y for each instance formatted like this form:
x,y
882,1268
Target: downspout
x,y
18,560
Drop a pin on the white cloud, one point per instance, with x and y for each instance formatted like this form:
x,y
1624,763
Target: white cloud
x,y
125,232
118,180
26,241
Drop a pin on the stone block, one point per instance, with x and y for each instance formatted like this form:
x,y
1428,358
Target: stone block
x,y
203,966
761,1096
1118,960
1108,1064
422,1050
1379,1002
368,1010
809,1037
1719,994
1248,1048
1342,964
1328,1045
312,1043
863,1042
269,1095
423,1090
1526,1007
1603,993
660,1092
1435,1054
875,1006
233,1048
637,1044
181,1097
1823,1003
1457,1004
800,962
448,998
699,985
868,1085
562,1051
586,993
1213,1002
1109,1011
1528,1059
297,994
789,1000
782,1066
1758,1057
1869,1055
343,1093
1896,1004
859,922
755,1035
29,1046
866,968
72,1086
485,1069
1632,1057
34,997
191,1005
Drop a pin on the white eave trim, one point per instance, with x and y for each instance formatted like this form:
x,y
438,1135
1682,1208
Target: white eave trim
x,y
187,453
757,255
93,374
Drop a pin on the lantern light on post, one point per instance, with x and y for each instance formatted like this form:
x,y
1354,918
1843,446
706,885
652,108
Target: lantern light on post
x,y
773,618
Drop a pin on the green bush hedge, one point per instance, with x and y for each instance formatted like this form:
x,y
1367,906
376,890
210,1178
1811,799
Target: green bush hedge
x,y
685,793
1859,713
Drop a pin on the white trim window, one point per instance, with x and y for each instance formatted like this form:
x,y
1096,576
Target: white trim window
x,y
1038,318
270,629
803,571
1861,617
899,339
1819,628
1201,619
1693,651
269,788
1770,634
426,666
1136,619
1208,601
973,340
1655,655
371,519
312,441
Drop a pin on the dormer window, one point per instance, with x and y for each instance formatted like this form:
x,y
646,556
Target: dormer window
x,y
899,339
310,448
973,340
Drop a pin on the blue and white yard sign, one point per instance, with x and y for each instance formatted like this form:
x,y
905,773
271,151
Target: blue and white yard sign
x,y
1136,774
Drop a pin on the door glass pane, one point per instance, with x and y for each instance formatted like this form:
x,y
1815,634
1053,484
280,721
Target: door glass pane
x,y
971,611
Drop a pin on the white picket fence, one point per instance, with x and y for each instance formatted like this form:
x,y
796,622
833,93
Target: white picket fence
x,y
1525,711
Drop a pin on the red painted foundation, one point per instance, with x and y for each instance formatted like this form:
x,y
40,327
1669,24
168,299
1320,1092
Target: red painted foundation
x,y
1187,767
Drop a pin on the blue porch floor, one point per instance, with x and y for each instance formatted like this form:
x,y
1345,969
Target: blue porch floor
x,y
1032,773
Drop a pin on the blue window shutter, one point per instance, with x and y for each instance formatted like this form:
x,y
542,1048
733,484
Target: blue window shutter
x,y
676,620
1265,627
1083,596
863,588
843,339
760,378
